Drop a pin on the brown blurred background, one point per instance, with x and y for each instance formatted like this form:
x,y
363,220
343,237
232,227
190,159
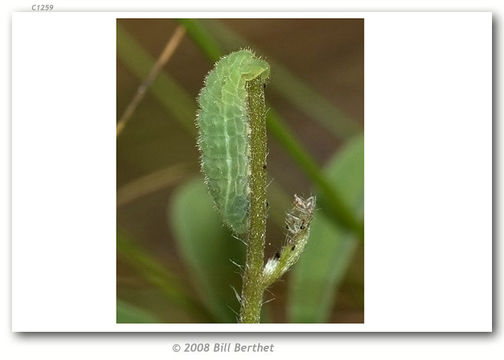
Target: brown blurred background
x,y
326,54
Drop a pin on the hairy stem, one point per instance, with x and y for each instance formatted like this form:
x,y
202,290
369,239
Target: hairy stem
x,y
252,292
335,206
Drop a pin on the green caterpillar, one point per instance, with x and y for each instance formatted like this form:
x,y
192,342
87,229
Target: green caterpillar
x,y
224,131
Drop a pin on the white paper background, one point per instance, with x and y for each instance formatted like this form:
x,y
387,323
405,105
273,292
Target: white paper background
x,y
358,346
428,145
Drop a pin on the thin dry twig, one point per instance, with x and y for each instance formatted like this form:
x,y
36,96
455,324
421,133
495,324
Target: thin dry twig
x,y
165,56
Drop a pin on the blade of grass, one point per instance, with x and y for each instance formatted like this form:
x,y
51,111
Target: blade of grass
x,y
158,275
199,34
165,89
322,267
150,183
128,313
331,201
167,53
215,38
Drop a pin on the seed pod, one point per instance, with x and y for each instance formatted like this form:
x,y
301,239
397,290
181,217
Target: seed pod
x,y
298,222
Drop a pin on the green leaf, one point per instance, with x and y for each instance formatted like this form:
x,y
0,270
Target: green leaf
x,y
159,276
128,313
207,248
322,266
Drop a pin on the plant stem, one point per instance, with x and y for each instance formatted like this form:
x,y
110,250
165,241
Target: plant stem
x,y
252,292
181,106
335,206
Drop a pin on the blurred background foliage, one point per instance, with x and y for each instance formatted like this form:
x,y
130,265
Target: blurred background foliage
x,y
175,261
